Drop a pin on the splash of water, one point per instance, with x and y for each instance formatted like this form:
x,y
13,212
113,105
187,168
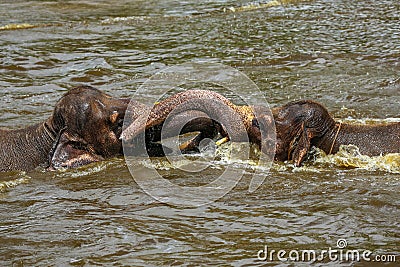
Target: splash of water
x,y
347,157
21,178
350,157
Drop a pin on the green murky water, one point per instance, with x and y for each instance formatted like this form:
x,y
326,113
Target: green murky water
x,y
344,54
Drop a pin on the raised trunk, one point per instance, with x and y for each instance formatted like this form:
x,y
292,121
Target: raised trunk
x,y
25,149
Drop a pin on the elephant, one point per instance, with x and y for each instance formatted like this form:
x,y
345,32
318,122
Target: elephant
x,y
84,127
306,123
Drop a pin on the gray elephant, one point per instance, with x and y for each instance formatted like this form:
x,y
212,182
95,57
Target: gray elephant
x,y
85,127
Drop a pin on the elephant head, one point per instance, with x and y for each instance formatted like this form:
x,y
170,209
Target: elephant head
x,y
88,124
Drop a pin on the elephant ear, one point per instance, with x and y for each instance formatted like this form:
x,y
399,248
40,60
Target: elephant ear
x,y
303,144
71,152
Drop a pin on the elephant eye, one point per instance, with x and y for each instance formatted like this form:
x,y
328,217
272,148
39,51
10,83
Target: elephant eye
x,y
254,122
78,145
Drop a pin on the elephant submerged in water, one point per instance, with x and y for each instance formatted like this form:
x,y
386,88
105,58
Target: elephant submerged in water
x,y
305,123
85,127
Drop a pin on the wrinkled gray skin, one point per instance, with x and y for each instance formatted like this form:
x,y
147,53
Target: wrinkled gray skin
x,y
85,127
305,123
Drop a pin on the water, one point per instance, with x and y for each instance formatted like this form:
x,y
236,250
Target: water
x,y
343,54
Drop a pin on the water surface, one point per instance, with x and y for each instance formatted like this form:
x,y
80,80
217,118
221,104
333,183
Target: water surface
x,y
344,54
